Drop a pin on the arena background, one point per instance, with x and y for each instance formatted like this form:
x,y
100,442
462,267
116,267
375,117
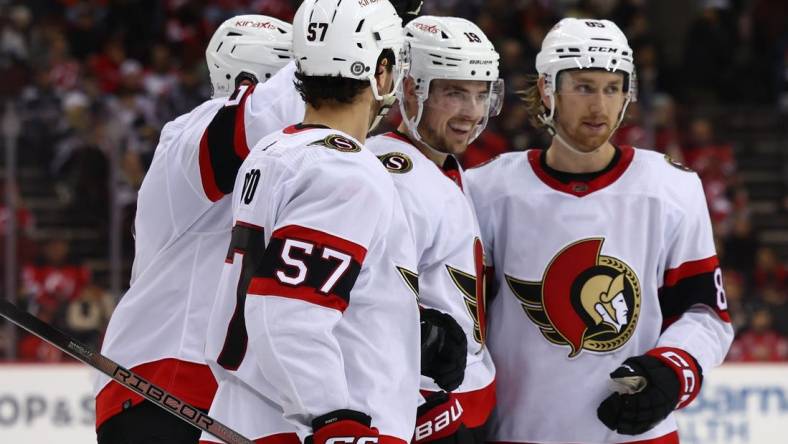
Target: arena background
x,y
87,85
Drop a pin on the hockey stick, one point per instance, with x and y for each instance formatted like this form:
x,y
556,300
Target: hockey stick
x,y
123,376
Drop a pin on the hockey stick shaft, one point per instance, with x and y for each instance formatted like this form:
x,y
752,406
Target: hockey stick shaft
x,y
123,376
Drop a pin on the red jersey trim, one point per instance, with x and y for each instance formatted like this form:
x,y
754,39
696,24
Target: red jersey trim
x,y
279,438
670,438
272,287
240,146
192,383
300,127
581,189
689,269
398,136
239,135
206,171
292,438
321,238
686,369
477,405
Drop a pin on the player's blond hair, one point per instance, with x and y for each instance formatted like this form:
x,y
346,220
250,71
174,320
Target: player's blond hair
x,y
533,100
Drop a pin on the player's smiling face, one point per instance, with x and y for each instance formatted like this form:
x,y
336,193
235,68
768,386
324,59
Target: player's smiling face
x,y
588,103
452,112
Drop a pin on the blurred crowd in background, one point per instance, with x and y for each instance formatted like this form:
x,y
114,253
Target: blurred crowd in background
x,y
91,83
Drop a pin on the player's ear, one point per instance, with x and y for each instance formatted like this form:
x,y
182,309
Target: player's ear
x,y
383,75
410,100
540,83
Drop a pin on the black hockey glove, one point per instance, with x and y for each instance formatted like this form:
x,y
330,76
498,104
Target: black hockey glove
x,y
407,9
444,349
439,421
342,425
648,388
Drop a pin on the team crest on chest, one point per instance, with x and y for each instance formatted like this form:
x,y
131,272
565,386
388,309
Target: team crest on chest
x,y
585,301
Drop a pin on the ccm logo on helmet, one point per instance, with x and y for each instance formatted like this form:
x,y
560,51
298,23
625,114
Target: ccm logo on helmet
x,y
601,49
352,440
253,24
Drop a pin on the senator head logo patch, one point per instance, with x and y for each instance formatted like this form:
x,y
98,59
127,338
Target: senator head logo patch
x,y
585,301
339,143
396,162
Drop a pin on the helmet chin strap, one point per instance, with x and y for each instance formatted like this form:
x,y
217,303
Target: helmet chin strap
x,y
413,131
387,103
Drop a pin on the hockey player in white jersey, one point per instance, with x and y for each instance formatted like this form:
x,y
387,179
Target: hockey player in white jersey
x,y
314,334
182,230
609,305
446,106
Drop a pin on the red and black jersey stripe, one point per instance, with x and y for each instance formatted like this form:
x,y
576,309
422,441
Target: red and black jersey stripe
x,y
320,269
247,240
691,283
223,146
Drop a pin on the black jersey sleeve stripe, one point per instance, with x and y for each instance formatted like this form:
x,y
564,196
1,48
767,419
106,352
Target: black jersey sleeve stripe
x,y
223,146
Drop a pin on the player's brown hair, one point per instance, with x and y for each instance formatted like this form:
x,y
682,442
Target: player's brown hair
x,y
317,90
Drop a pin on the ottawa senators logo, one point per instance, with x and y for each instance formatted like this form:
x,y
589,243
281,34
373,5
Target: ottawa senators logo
x,y
395,162
676,164
585,300
339,143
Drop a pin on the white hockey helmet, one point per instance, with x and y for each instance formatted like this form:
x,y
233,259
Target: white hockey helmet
x,y
257,45
346,38
585,44
450,48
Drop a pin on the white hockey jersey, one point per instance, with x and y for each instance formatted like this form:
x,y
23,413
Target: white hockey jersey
x,y
316,309
450,259
562,250
182,230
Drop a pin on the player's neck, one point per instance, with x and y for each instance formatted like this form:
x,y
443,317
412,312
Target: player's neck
x,y
561,158
437,157
352,119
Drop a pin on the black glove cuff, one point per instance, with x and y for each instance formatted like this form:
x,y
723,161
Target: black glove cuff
x,y
341,415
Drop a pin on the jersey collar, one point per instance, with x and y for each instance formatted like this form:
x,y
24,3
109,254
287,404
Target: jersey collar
x,y
582,186
298,127
450,167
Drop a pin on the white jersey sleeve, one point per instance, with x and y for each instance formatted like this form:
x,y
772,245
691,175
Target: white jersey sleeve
x,y
275,102
317,252
692,296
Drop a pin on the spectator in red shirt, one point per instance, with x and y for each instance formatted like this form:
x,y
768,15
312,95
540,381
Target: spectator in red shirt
x,y
761,342
769,271
53,282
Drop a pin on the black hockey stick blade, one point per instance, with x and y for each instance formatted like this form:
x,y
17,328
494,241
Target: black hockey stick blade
x,y
123,376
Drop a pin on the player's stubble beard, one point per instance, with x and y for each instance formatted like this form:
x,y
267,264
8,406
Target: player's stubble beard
x,y
573,140
440,142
